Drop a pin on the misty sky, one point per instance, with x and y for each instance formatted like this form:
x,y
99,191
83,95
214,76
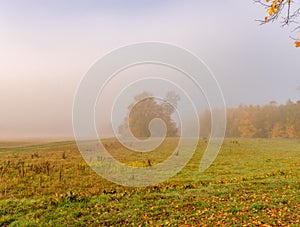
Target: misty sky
x,y
46,47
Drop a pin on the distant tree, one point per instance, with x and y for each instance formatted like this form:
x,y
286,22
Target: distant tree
x,y
205,123
146,108
277,131
273,103
290,132
246,127
170,102
269,115
233,120
288,11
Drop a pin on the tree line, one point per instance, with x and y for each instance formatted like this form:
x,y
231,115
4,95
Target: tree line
x,y
266,121
250,121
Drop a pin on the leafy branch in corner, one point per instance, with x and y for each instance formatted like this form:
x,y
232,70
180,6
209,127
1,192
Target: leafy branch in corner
x,y
287,11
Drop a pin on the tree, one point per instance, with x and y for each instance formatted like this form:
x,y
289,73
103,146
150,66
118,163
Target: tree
x,y
290,132
246,127
277,131
288,10
268,121
170,102
144,109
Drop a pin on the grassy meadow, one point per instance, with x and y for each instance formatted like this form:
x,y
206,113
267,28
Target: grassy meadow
x,y
253,182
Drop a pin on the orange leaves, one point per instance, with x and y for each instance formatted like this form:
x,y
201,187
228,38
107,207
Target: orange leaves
x,y
274,8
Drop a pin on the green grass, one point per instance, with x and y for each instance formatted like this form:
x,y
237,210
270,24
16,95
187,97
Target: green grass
x,y
255,182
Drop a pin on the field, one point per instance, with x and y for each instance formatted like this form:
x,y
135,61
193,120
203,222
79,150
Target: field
x,y
253,182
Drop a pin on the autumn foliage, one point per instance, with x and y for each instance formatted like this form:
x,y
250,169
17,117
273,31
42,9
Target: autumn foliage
x,y
146,108
267,121
287,11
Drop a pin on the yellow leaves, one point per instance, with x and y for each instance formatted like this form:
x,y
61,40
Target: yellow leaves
x,y
275,6
271,11
274,9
